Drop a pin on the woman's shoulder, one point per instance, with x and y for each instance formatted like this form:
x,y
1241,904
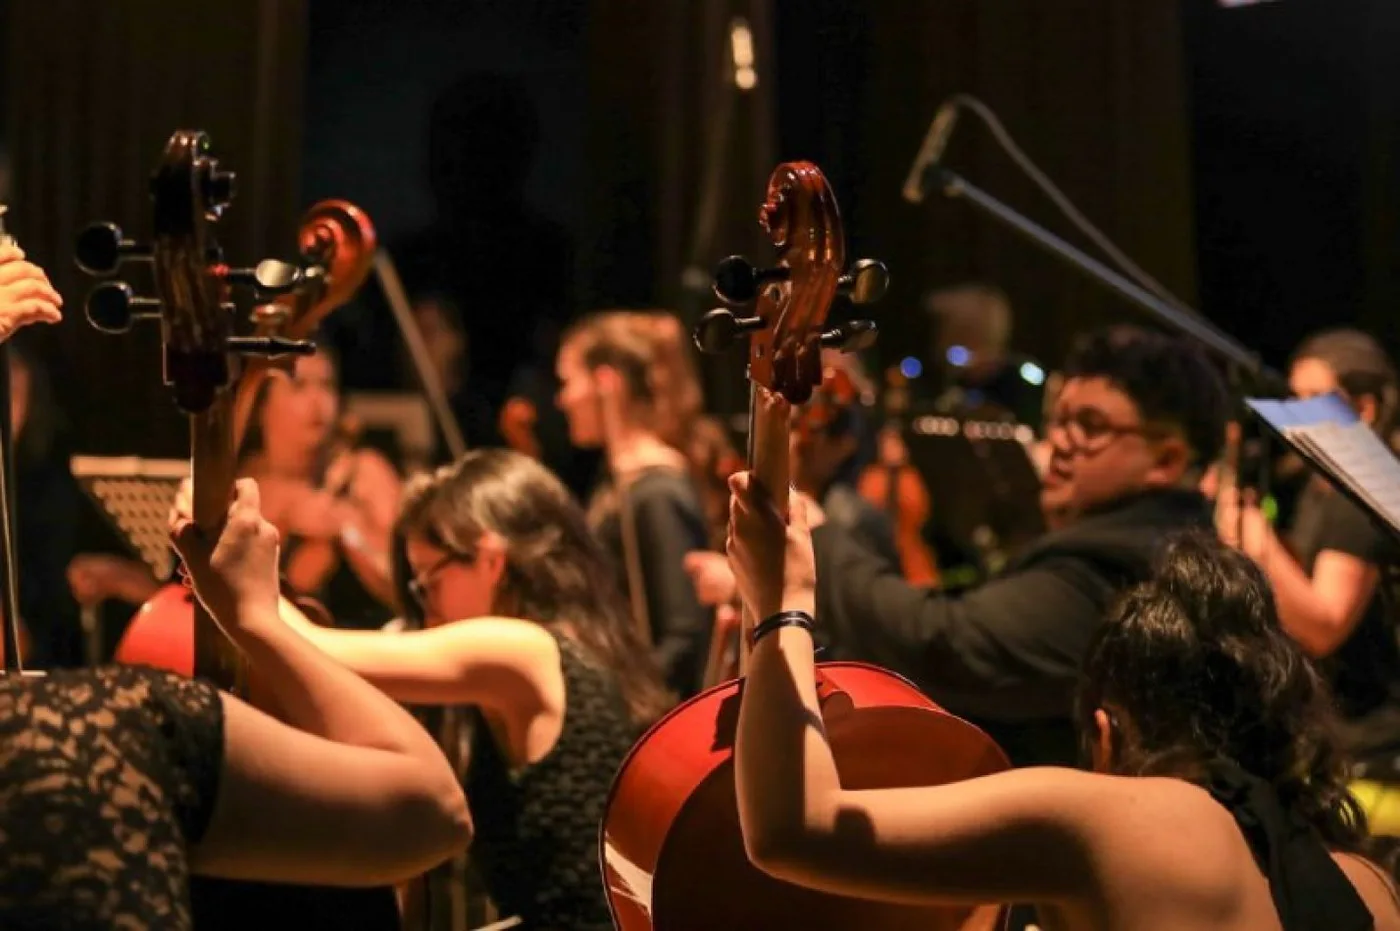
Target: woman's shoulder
x,y
1375,886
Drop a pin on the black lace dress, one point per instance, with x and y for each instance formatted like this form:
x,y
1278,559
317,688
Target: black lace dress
x,y
106,777
536,844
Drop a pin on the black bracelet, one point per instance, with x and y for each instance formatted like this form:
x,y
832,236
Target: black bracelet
x,y
783,619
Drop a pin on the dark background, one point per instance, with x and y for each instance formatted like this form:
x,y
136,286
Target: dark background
x,y
1245,157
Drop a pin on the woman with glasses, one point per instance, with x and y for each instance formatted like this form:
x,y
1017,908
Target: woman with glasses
x,y
519,619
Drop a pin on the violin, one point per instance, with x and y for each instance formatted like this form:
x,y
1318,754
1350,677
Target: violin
x,y
214,374
671,848
896,487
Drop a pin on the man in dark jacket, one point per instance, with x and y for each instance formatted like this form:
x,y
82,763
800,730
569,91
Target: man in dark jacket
x,y
1140,417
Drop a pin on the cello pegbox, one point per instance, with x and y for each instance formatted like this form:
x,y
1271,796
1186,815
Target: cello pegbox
x,y
720,329
865,283
738,282
101,250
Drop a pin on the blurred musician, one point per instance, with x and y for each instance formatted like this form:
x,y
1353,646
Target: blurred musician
x,y
333,503
972,330
607,370
1327,574
1138,419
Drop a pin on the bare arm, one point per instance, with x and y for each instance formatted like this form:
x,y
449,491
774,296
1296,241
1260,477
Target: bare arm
x,y
405,778
504,663
1321,612
296,807
1019,835
1014,836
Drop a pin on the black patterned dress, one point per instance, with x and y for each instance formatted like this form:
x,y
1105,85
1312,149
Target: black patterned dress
x,y
536,844
106,777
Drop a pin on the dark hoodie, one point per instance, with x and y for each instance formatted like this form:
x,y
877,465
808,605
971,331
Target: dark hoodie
x,y
1004,655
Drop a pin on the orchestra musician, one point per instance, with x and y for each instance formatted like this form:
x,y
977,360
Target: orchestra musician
x,y
124,781
333,503
121,782
971,336
494,561
606,371
1327,575
1139,417
1217,798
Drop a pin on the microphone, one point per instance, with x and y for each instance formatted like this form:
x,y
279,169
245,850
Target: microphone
x,y
931,152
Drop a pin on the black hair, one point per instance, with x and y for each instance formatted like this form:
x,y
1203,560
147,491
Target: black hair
x,y
1169,379
1195,668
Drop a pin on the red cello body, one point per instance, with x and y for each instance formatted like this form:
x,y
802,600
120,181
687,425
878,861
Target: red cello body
x,y
671,850
161,632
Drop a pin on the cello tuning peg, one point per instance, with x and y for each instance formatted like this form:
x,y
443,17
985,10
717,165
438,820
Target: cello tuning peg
x,y
101,248
719,329
866,282
112,307
270,346
270,278
855,336
737,281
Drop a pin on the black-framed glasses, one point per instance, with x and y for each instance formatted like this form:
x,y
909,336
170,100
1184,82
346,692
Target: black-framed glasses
x,y
418,585
1089,428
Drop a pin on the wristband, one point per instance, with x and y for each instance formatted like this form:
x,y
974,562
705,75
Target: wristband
x,y
783,619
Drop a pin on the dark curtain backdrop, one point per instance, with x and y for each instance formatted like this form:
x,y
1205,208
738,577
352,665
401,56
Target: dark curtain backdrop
x,y
1092,89
1296,112
93,90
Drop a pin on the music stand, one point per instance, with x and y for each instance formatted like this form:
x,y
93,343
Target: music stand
x,y
1329,437
997,508
134,496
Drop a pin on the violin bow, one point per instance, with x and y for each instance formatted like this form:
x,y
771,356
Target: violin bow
x,y
394,293
9,581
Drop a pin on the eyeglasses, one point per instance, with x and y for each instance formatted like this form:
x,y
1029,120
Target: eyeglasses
x,y
1088,428
418,585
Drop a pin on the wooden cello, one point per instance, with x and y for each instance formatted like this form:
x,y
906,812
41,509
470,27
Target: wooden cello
x,y
213,374
672,853
335,236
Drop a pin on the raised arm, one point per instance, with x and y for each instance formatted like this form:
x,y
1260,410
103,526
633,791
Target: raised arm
x,y
1016,836
504,663
354,792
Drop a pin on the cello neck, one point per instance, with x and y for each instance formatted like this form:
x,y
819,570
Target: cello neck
x,y
213,468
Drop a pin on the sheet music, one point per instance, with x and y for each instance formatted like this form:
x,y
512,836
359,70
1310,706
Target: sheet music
x,y
1328,433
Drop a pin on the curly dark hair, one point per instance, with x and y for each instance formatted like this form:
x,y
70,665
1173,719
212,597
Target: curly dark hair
x,y
1195,669
556,572
1168,378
